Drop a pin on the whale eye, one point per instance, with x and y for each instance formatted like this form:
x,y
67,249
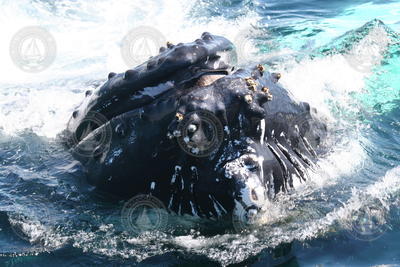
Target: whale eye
x,y
254,195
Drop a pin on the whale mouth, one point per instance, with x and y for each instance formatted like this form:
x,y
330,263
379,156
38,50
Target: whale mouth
x,y
208,79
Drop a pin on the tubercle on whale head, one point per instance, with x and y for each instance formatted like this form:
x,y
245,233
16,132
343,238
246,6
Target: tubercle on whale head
x,y
179,66
236,103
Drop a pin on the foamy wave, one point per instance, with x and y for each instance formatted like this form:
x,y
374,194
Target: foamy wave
x,y
88,36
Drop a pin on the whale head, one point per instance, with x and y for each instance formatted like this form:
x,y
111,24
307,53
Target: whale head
x,y
186,127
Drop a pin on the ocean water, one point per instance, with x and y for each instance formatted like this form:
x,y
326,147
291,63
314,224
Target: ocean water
x,y
343,57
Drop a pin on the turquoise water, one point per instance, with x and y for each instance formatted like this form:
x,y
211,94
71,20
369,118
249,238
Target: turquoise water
x,y
340,56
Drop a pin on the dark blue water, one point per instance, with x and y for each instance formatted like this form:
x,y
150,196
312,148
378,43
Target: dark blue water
x,y
346,215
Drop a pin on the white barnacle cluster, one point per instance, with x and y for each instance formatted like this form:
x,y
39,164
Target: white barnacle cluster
x,y
243,166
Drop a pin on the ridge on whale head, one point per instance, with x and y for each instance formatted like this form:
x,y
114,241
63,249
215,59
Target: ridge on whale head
x,y
202,137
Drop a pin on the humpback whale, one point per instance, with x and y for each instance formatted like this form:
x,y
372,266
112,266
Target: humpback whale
x,y
204,137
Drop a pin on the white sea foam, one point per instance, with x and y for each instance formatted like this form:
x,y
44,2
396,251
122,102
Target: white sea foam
x,y
88,36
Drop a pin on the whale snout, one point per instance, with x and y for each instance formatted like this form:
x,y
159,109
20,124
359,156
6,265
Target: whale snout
x,y
251,192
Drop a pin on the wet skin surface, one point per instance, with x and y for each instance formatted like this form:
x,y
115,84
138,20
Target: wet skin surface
x,y
191,130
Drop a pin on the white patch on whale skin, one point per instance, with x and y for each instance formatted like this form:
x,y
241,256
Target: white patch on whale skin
x,y
152,185
223,210
195,174
170,201
261,163
261,158
262,126
216,64
293,158
251,150
226,129
177,170
194,213
277,155
241,119
308,146
253,183
296,180
115,154
249,141
156,90
216,208
282,148
271,185
132,137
